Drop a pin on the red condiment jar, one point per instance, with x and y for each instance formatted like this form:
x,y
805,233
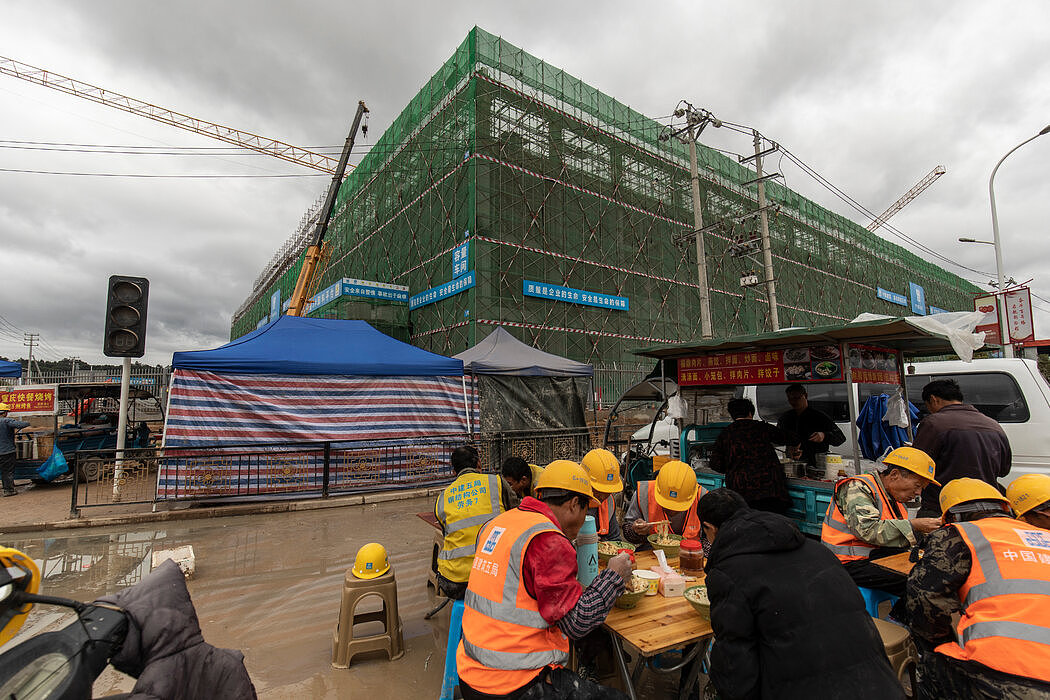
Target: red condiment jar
x,y
691,557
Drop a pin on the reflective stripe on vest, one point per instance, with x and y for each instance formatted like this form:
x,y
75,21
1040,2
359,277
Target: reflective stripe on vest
x,y
1006,598
506,641
603,517
655,511
836,534
468,503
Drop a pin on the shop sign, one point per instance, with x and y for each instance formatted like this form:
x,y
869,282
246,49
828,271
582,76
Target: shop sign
x,y
1019,315
918,299
873,365
556,292
892,297
30,400
442,292
822,363
989,325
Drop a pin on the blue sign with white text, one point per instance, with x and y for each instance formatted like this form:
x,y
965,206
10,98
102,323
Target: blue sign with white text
x,y
460,258
275,304
443,291
374,290
556,292
892,297
918,299
938,310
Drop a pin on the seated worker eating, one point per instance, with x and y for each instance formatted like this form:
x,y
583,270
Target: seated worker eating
x,y
671,496
604,472
866,519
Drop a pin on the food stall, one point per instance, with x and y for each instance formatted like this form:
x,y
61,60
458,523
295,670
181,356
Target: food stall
x,y
870,350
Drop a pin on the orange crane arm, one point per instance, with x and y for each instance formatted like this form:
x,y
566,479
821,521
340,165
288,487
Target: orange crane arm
x,y
261,144
911,194
315,250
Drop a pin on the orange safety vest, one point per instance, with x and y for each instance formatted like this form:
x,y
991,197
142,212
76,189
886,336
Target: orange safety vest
x,y
1006,599
647,492
836,533
506,642
603,516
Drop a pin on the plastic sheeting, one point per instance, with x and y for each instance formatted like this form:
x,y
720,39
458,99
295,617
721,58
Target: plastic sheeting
x,y
531,403
955,326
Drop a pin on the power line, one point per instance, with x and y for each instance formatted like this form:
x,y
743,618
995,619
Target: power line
x,y
145,175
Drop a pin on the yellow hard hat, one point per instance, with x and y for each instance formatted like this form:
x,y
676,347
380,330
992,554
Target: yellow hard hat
x,y
17,573
913,460
603,470
676,485
964,490
1028,492
371,561
567,475
4,407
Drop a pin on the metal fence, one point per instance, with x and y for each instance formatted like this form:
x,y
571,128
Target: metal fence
x,y
312,469
612,380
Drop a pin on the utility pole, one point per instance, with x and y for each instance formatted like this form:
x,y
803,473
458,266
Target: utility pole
x,y
696,120
767,253
73,371
30,340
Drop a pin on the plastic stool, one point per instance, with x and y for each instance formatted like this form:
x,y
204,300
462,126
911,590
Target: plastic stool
x,y
344,645
899,647
872,598
450,679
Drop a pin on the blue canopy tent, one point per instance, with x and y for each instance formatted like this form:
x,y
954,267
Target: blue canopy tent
x,y
319,346
10,369
309,380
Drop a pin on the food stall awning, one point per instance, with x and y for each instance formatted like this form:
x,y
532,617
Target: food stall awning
x,y
914,336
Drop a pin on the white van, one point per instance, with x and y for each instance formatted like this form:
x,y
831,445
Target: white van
x,y
1012,391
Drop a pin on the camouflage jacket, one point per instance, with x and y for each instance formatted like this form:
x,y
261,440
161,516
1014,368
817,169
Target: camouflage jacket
x,y
933,585
856,502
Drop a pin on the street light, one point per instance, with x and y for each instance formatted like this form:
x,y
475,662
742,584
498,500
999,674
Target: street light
x,y
1004,331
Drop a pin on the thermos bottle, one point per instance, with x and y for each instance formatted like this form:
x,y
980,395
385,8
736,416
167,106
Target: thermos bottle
x,y
587,552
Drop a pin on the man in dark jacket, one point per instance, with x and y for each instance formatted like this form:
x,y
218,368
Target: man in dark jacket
x,y
816,430
788,621
8,428
962,441
744,453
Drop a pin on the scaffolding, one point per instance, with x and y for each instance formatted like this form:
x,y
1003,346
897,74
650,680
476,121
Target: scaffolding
x,y
551,181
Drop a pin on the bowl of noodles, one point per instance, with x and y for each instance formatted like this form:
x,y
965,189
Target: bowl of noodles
x,y
608,550
667,542
633,592
697,597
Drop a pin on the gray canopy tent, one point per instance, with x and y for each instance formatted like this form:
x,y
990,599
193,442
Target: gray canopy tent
x,y
524,388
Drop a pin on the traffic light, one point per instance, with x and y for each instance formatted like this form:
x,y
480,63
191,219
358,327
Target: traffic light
x,y
126,317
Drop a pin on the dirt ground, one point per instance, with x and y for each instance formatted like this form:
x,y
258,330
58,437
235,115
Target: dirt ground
x,y
268,585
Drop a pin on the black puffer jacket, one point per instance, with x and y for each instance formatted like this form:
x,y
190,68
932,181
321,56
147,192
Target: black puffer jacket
x,y
164,648
788,621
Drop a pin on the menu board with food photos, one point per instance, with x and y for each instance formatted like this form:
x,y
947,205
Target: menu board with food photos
x,y
873,365
821,363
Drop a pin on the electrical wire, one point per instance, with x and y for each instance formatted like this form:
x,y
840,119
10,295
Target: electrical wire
x,y
153,175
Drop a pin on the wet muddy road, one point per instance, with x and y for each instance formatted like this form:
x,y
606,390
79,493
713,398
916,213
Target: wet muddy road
x,y
270,586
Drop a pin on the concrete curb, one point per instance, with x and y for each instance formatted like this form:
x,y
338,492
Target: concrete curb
x,y
224,511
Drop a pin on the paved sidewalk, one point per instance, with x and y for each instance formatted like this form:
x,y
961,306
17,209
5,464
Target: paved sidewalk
x,y
39,507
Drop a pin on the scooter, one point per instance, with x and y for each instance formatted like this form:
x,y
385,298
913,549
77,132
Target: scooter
x,y
63,665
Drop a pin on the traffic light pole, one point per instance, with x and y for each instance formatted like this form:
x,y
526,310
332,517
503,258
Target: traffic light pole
x,y
122,428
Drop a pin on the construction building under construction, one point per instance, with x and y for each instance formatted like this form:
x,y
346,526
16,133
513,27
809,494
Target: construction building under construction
x,y
510,193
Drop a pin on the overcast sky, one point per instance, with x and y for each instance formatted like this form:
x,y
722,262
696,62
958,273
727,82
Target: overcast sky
x,y
872,96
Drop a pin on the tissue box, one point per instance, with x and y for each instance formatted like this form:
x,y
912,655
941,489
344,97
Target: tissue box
x,y
672,586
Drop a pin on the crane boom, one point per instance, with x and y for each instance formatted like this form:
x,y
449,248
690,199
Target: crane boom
x,y
316,252
261,144
908,196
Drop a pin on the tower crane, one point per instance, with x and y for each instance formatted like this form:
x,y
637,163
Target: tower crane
x,y
245,139
908,196
316,250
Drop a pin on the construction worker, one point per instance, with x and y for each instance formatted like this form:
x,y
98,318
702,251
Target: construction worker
x,y
468,503
523,602
521,476
604,472
1029,496
995,571
865,520
8,428
671,496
